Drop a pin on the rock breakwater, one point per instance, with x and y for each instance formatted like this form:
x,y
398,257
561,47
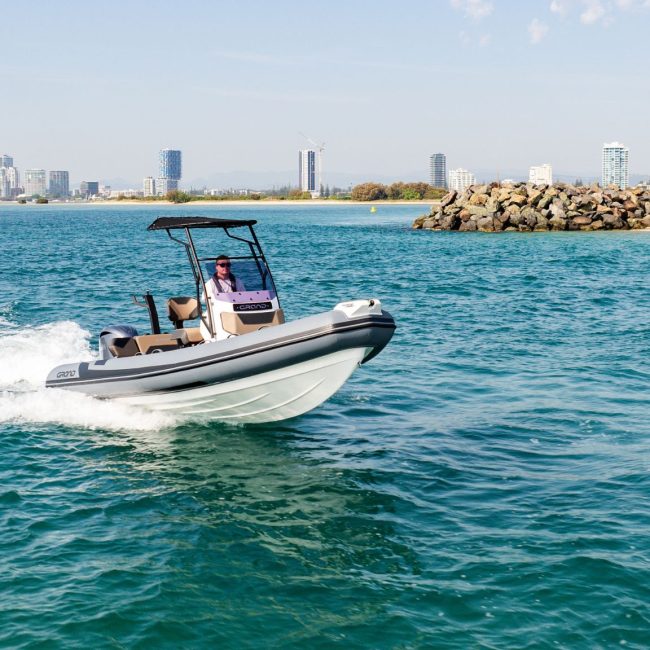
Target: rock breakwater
x,y
525,207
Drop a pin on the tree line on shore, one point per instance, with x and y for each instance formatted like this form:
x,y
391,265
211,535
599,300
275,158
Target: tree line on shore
x,y
398,191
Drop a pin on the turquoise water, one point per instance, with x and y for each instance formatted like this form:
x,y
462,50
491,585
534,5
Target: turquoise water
x,y
484,482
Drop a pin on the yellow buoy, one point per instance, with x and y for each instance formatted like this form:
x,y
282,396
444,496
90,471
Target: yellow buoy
x,y
373,209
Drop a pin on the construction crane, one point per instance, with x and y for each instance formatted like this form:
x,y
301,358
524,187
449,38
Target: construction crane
x,y
320,148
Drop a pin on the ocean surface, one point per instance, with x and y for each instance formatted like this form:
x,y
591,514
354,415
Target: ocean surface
x,y
483,483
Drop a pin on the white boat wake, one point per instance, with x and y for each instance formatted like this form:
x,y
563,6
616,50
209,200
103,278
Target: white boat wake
x,y
27,354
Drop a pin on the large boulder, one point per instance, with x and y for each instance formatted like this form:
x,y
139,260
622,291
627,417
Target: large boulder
x,y
467,226
493,205
450,222
518,199
478,199
529,216
477,210
612,221
557,210
581,221
534,196
542,222
558,223
545,201
485,224
448,198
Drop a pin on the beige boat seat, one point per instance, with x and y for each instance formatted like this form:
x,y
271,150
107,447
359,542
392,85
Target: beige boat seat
x,y
150,343
243,323
182,308
124,347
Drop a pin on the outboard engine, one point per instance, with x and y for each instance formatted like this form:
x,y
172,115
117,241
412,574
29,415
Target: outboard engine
x,y
108,336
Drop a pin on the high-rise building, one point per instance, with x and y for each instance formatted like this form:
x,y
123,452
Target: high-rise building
x,y
460,179
170,164
35,182
309,166
149,186
439,170
59,184
164,185
9,177
170,171
5,190
541,175
12,177
615,165
89,188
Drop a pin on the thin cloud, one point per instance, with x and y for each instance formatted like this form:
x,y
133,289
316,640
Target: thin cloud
x,y
633,4
537,31
594,11
474,9
560,7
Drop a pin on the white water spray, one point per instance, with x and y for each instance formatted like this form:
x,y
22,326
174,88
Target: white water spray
x,y
27,354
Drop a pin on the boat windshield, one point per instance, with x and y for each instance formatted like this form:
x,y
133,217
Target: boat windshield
x,y
239,244
253,274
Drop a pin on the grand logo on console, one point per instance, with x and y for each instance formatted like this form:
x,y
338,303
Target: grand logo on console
x,y
252,306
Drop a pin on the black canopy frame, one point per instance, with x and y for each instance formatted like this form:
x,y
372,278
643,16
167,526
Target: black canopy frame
x,y
186,224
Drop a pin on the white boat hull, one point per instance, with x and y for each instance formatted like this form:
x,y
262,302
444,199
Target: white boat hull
x,y
266,397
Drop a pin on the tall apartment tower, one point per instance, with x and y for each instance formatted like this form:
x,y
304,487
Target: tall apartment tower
x,y
439,170
615,165
59,184
541,175
309,166
35,182
460,179
9,177
5,190
169,170
149,186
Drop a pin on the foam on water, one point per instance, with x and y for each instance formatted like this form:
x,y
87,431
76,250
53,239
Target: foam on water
x,y
27,354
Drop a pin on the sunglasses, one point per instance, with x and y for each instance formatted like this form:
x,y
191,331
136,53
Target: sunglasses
x,y
226,264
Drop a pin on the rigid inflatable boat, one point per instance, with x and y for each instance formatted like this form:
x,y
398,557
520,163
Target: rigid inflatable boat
x,y
239,361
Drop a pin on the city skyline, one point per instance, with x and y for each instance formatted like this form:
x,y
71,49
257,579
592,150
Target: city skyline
x,y
494,84
169,176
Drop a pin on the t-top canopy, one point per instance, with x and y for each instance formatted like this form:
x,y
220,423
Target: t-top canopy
x,y
169,223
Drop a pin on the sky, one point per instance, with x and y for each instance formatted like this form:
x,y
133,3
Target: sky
x,y
497,85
